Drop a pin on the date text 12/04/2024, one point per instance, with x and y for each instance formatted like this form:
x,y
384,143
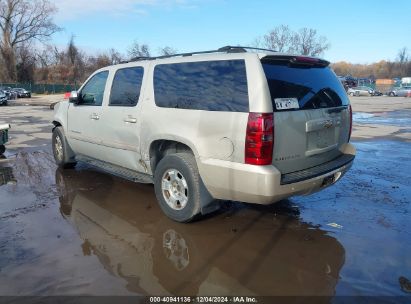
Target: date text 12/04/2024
x,y
240,299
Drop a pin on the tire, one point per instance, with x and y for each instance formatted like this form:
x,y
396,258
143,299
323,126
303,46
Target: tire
x,y
2,149
60,149
182,202
352,94
391,94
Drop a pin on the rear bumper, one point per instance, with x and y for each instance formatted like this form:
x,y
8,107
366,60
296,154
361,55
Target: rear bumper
x,y
265,184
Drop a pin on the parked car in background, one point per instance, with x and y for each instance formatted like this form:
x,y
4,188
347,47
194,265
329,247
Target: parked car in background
x,y
377,93
21,93
9,92
401,92
3,98
347,82
360,91
201,127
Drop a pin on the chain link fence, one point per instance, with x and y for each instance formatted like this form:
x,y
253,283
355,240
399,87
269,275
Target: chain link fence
x,y
43,88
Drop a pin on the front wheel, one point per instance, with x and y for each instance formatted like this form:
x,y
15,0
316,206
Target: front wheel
x,y
59,145
177,186
392,94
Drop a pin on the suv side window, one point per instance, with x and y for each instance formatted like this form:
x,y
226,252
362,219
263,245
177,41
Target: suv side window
x,y
125,90
93,92
205,85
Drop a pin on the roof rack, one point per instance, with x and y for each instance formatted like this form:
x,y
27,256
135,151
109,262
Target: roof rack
x,y
240,49
224,49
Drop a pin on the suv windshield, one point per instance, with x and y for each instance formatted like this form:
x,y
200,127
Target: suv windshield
x,y
313,86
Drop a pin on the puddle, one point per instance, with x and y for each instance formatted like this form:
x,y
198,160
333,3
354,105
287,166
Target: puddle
x,y
394,118
85,232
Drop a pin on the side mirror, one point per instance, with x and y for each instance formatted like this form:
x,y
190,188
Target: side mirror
x,y
73,97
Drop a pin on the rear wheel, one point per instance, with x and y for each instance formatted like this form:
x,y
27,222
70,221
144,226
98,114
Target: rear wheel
x,y
392,94
59,145
2,149
178,187
351,93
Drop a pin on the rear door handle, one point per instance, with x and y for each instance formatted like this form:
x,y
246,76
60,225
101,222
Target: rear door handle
x,y
130,120
94,116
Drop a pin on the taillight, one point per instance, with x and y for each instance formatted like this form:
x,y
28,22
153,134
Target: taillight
x,y
350,109
259,140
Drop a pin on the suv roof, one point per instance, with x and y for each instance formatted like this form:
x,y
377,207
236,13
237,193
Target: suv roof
x,y
241,49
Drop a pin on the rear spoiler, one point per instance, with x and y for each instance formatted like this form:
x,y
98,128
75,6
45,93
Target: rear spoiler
x,y
295,60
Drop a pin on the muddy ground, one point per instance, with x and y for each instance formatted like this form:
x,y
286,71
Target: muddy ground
x,y
83,232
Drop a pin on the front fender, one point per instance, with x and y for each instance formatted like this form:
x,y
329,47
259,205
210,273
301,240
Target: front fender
x,y
60,114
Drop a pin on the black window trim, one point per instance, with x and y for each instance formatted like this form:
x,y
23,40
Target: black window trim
x,y
111,88
79,92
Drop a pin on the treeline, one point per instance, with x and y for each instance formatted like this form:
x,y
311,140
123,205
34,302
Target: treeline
x,y
25,23
384,69
379,70
70,65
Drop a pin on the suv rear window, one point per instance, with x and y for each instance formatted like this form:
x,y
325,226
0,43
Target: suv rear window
x,y
313,86
205,85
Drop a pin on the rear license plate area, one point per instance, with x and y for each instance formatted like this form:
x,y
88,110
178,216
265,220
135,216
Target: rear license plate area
x,y
321,139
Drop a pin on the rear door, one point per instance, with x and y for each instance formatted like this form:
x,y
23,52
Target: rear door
x,y
311,112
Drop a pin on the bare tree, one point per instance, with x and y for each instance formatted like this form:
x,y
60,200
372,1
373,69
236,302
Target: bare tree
x,y
76,62
139,50
26,63
166,51
403,56
403,61
307,42
279,39
115,56
22,21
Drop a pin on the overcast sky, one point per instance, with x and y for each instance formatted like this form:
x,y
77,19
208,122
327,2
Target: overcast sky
x,y
359,31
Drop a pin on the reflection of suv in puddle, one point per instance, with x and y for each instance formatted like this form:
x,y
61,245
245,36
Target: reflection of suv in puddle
x,y
156,256
228,124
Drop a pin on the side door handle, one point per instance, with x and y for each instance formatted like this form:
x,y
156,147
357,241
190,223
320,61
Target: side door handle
x,y
94,116
130,120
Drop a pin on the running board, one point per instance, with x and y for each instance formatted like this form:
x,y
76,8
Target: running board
x,y
116,170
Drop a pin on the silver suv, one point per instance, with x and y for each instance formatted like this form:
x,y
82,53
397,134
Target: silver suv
x,y
228,124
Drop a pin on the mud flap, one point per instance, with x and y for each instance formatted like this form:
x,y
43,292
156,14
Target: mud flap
x,y
208,203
